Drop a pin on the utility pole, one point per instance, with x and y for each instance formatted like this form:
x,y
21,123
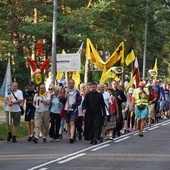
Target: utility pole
x,y
54,39
145,43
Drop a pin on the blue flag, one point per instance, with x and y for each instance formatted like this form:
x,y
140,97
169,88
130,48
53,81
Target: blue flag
x,y
5,88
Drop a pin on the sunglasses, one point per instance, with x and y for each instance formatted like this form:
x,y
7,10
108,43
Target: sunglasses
x,y
50,89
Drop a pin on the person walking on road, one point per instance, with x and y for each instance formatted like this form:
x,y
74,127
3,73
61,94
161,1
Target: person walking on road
x,y
55,110
13,101
120,96
41,103
93,108
73,100
140,102
30,109
107,100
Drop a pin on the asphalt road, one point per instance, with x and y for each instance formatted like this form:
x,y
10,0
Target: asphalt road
x,y
128,152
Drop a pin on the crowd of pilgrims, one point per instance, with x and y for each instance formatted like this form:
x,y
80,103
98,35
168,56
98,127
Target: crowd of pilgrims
x,y
92,112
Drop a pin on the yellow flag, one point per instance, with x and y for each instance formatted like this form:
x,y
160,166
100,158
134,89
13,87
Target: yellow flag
x,y
155,68
117,78
130,57
130,84
88,57
93,56
76,78
122,52
95,59
60,74
106,75
116,56
102,79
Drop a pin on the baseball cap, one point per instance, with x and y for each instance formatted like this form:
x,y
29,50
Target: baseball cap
x,y
30,83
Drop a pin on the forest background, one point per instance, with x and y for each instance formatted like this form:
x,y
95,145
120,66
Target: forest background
x,y
24,23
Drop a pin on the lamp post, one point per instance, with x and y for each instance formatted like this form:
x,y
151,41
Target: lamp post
x,y
54,34
145,42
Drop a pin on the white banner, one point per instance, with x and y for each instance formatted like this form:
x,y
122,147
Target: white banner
x,y
68,62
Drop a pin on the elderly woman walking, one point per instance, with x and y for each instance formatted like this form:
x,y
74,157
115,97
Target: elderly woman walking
x,y
55,110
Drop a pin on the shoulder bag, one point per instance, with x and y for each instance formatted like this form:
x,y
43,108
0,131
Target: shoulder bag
x,y
21,107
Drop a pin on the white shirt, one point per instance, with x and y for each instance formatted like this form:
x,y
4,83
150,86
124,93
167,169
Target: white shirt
x,y
80,112
71,99
107,100
41,107
19,96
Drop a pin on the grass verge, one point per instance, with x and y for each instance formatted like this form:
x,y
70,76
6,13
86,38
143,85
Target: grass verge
x,y
1,104
22,131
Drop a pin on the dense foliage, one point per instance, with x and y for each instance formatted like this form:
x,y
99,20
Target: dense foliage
x,y
106,23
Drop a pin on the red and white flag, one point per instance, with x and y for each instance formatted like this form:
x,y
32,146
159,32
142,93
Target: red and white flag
x,y
136,72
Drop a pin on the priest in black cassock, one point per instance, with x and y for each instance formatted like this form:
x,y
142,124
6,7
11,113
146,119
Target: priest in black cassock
x,y
93,108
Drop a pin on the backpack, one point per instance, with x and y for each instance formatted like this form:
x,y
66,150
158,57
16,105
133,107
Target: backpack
x,y
113,106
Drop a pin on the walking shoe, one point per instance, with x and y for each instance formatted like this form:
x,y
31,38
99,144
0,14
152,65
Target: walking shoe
x,y
14,139
131,130
123,131
91,142
29,139
35,140
44,140
164,117
57,140
149,124
41,135
9,137
95,142
118,133
107,138
101,140
60,136
140,134
71,140
80,137
52,139
110,138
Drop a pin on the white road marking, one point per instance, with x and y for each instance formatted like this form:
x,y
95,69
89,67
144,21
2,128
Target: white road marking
x,y
94,146
41,165
154,128
165,124
135,134
100,147
146,128
71,158
77,154
122,139
72,154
